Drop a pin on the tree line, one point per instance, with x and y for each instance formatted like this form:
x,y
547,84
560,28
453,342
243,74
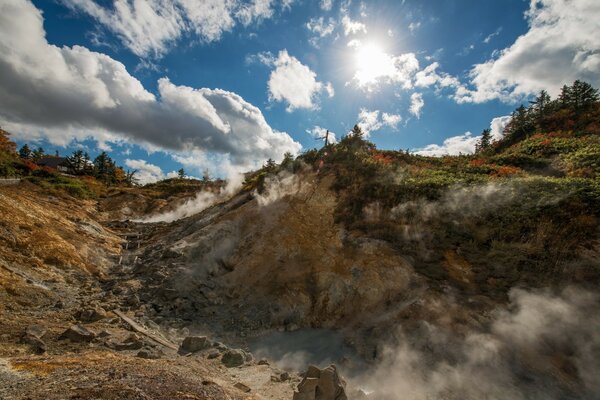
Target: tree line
x,y
572,109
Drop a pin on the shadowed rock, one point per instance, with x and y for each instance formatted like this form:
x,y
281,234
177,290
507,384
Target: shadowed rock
x,y
324,384
78,333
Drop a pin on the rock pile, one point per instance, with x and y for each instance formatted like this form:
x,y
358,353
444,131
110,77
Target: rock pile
x,y
321,384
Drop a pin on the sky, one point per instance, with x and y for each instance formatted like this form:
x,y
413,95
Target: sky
x,y
224,85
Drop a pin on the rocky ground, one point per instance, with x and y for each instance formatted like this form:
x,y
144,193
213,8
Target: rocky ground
x,y
94,305
72,324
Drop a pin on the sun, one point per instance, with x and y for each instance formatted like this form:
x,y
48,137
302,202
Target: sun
x,y
372,63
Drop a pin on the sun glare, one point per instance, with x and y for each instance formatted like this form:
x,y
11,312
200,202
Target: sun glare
x,y
372,63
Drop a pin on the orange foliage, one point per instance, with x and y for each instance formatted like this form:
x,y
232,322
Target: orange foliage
x,y
30,166
506,170
477,162
383,158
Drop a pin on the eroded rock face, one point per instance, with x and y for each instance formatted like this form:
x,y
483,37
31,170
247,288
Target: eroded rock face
x,y
321,384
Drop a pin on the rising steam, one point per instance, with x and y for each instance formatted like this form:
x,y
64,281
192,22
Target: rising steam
x,y
542,347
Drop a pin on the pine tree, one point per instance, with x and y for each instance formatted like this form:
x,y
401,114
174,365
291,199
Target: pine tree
x,y
356,131
485,141
25,152
77,162
181,173
541,107
270,165
583,95
104,168
37,154
288,160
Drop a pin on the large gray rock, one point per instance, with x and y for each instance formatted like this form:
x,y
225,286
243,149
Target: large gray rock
x,y
192,344
324,384
233,358
78,333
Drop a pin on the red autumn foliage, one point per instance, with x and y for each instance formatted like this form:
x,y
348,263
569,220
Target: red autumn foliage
x,y
383,158
30,166
477,162
506,170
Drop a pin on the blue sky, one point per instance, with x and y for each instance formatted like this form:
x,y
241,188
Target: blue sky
x,y
225,85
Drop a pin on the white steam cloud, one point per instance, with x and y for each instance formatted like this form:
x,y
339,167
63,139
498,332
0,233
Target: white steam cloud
x,y
543,347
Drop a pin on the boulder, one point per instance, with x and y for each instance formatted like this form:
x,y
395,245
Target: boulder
x,y
78,333
192,344
133,342
91,314
324,384
233,358
33,337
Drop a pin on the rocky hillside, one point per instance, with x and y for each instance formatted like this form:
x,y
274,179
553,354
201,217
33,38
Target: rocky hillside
x,y
454,277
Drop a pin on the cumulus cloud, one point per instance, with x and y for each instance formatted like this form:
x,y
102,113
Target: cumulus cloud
x,y
497,126
319,133
560,46
454,145
465,143
352,27
148,173
295,83
429,76
375,67
147,28
66,93
371,121
416,104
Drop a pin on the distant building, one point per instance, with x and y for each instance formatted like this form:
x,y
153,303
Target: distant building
x,y
61,164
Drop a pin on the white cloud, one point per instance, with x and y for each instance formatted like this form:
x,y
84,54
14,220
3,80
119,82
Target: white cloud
x,y
148,28
319,133
352,27
66,93
375,67
326,5
560,46
461,144
329,89
295,83
256,10
465,143
413,26
146,172
416,104
391,120
429,76
371,121
321,28
489,37
497,126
